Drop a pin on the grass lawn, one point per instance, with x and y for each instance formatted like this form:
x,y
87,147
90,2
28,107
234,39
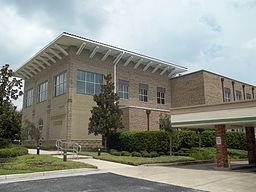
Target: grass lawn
x,y
137,160
210,153
37,163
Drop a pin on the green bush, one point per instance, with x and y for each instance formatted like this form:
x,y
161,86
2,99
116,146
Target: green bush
x,y
236,140
208,138
154,154
136,154
159,140
145,154
161,153
13,151
125,153
3,143
203,154
141,141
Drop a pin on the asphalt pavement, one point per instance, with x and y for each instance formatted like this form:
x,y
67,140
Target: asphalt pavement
x,y
103,182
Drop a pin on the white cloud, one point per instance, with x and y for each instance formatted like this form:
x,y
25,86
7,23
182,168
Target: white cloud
x,y
20,37
217,35
251,44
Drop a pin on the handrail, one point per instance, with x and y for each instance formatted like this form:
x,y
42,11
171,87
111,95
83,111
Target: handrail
x,y
68,146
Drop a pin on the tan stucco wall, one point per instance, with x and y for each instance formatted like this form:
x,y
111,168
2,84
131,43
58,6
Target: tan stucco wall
x,y
53,110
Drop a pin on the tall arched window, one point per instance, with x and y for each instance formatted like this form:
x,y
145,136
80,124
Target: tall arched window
x,y
40,124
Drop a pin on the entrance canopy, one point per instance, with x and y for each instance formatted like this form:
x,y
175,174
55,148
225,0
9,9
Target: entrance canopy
x,y
235,114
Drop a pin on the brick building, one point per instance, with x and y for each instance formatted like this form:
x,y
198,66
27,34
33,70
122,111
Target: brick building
x,y
61,79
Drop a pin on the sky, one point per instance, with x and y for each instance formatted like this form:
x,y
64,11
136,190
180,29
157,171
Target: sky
x,y
215,35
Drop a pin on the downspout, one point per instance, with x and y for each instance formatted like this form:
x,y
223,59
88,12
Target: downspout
x,y
116,61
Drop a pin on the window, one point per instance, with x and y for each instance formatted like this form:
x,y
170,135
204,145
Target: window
x,y
143,92
227,95
28,97
238,95
248,96
123,89
88,83
60,84
160,95
42,91
40,124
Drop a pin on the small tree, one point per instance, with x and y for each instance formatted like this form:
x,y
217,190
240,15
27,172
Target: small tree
x,y
106,116
10,89
166,125
29,129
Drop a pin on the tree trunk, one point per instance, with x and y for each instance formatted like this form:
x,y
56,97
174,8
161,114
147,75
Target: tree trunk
x,y
170,138
107,140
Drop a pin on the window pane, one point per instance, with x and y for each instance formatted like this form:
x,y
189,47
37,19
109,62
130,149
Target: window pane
x,y
98,78
80,87
97,89
90,88
80,75
90,77
125,96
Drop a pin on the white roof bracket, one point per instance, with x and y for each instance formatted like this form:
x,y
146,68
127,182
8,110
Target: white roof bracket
x,y
81,48
35,66
157,67
118,58
39,64
172,73
147,66
49,57
94,52
61,49
165,69
54,53
138,64
128,60
106,55
42,59
26,73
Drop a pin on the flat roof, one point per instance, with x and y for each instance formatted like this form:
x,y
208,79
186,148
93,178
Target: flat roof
x,y
213,73
57,49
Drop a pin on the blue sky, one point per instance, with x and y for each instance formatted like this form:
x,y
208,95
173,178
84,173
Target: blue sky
x,y
216,35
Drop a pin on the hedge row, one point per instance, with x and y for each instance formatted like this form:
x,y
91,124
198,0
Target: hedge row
x,y
13,151
159,141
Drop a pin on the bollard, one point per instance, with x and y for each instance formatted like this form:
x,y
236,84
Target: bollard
x,y
37,150
65,155
99,152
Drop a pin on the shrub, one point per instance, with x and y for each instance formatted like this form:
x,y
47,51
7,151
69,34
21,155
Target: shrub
x,y
161,153
3,143
136,154
203,154
236,140
13,151
208,138
125,153
142,141
154,154
159,141
145,154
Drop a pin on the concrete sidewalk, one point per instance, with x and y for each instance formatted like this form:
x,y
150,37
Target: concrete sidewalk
x,y
209,180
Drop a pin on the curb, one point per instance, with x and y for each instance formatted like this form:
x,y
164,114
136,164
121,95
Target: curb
x,y
181,163
47,175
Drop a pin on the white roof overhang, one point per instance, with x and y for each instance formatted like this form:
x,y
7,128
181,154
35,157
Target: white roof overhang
x,y
57,49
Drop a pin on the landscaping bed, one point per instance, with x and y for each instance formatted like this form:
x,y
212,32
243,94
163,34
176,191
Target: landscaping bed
x,y
137,160
37,163
184,155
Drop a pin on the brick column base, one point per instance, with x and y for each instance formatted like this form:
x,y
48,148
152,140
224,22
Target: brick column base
x,y
251,147
221,146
